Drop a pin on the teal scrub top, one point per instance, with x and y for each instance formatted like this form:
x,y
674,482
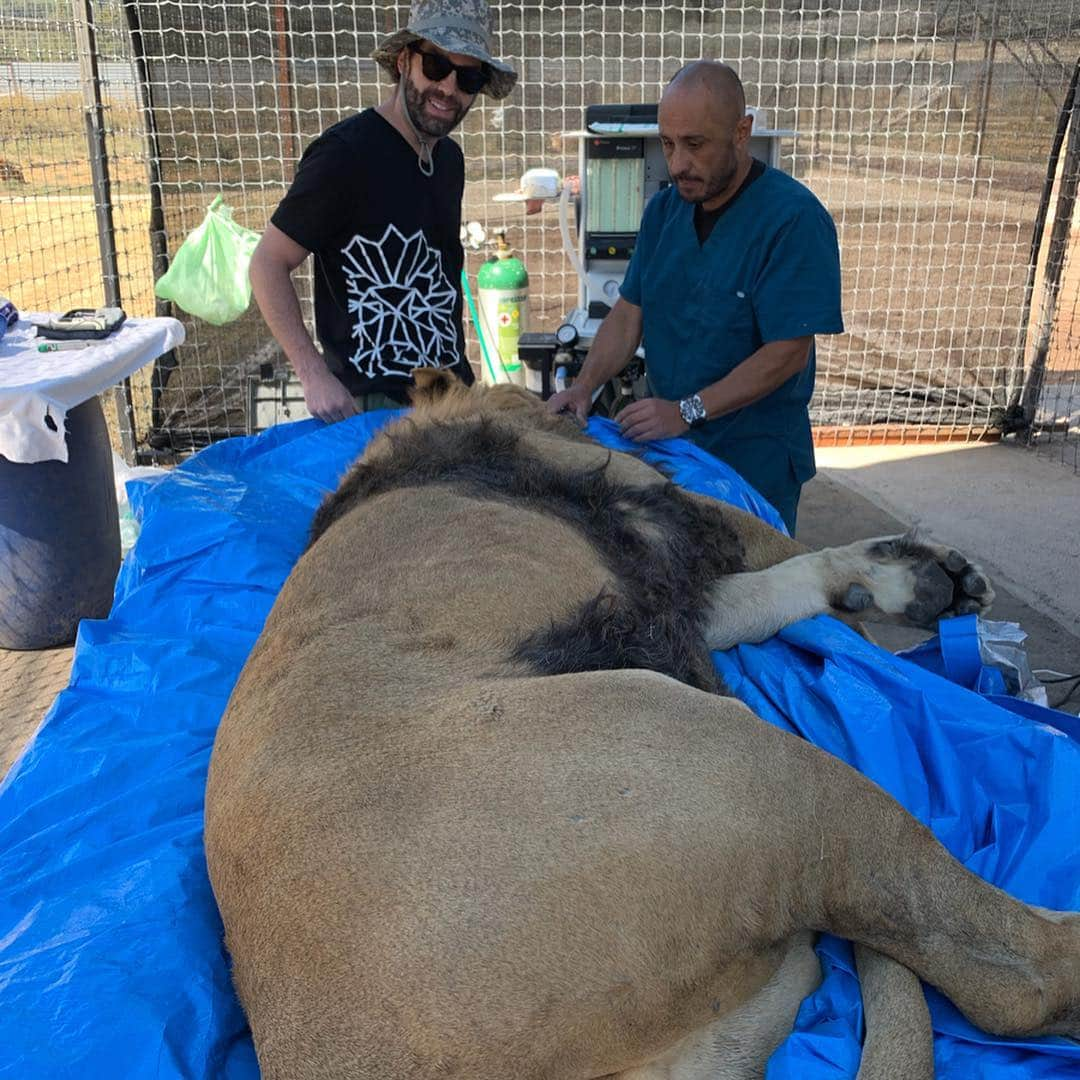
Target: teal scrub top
x,y
769,271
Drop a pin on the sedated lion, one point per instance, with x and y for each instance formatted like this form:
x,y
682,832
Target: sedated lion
x,y
478,807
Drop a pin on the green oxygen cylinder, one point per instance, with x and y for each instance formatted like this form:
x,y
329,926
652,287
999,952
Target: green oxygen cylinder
x,y
503,285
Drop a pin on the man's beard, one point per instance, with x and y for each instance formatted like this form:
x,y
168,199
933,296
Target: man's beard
x,y
716,186
426,124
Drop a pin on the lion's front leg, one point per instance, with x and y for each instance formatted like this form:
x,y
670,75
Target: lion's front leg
x,y
896,577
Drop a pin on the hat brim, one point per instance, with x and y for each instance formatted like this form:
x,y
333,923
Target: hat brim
x,y
503,77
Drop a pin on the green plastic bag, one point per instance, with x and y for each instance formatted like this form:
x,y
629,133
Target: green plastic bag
x,y
208,277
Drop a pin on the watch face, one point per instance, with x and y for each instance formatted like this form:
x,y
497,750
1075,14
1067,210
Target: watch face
x,y
692,410
566,334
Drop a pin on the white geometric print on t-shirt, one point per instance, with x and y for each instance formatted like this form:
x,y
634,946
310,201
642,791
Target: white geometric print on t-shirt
x,y
403,304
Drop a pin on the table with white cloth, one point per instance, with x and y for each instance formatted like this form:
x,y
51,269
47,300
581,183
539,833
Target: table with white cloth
x,y
59,529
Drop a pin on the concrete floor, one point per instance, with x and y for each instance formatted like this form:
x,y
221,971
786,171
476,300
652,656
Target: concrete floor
x,y
1015,513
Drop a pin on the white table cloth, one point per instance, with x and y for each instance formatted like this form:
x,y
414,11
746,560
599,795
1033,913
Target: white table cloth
x,y
35,385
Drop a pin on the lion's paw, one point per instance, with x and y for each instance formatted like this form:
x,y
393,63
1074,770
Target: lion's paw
x,y
903,577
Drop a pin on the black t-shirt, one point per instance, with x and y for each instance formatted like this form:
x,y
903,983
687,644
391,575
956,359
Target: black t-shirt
x,y
387,248
704,220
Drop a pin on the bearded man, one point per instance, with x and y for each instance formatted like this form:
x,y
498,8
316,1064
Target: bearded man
x,y
377,200
735,269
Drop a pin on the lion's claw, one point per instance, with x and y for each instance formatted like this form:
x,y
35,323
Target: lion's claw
x,y
856,598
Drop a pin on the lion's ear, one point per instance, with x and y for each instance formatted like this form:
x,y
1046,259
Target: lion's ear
x,y
431,385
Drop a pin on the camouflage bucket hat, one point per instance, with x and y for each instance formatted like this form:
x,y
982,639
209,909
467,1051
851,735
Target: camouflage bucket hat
x,y
458,26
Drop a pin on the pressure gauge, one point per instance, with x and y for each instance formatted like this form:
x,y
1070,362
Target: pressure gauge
x,y
567,335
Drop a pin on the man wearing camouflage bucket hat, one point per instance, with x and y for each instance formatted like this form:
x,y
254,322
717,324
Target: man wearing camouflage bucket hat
x,y
377,199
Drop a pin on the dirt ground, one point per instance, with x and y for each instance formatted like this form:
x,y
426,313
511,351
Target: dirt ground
x,y
29,682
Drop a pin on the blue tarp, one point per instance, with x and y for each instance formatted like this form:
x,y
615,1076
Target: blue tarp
x,y
111,959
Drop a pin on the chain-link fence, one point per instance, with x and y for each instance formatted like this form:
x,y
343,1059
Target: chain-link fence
x,y
934,130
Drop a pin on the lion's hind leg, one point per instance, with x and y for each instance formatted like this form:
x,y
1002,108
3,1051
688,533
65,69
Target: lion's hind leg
x,y
738,1045
786,837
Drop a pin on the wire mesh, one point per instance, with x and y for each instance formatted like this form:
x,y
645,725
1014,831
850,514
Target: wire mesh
x,y
50,256
926,127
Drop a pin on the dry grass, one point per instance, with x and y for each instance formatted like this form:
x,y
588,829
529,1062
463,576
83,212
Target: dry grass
x,y
50,261
49,254
45,138
49,258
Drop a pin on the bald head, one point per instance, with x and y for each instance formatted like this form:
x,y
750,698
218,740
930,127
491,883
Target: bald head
x,y
714,81
705,132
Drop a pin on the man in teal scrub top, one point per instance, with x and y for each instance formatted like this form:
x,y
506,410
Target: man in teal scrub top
x,y
735,269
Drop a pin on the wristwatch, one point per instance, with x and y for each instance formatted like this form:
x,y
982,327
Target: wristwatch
x,y
692,409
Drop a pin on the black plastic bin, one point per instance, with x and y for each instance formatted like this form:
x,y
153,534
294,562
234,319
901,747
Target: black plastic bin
x,y
59,538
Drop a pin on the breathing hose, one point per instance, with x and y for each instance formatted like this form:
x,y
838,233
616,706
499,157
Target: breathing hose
x,y
564,229
476,325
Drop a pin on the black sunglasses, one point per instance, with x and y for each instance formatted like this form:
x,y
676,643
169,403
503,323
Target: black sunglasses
x,y
436,66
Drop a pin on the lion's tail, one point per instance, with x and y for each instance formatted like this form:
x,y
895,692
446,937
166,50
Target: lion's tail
x,y
899,1041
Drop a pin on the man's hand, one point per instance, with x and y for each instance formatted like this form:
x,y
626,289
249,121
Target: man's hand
x,y
326,397
651,418
576,400
275,258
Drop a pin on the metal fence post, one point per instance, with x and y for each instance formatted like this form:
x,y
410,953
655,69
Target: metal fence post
x,y
984,95
283,81
94,114
1055,262
1016,418
167,363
